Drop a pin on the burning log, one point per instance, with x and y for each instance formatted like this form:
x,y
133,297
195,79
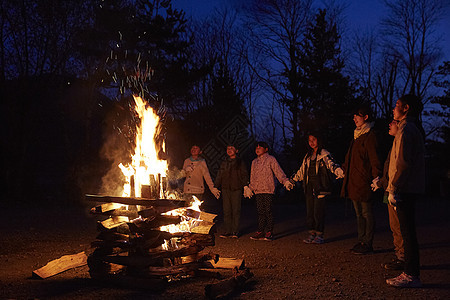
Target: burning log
x,y
225,287
137,201
152,223
61,264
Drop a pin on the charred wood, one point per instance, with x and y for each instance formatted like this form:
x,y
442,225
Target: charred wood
x,y
136,201
225,287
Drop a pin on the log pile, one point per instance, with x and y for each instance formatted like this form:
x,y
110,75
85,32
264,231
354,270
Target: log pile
x,y
132,250
130,241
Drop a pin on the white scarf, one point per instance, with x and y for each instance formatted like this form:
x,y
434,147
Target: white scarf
x,y
364,128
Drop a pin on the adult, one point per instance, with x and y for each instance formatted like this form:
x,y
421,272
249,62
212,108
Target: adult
x,y
407,183
361,166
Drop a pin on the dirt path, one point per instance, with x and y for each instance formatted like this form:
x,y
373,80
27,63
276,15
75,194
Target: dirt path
x,y
284,269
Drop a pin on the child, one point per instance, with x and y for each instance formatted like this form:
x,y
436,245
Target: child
x,y
231,178
195,170
262,184
316,185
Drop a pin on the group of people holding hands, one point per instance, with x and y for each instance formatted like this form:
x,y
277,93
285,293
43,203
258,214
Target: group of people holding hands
x,y
402,178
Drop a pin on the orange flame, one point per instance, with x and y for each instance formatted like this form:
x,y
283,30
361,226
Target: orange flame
x,y
145,160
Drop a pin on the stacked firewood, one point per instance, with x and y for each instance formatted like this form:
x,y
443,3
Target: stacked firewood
x,y
130,242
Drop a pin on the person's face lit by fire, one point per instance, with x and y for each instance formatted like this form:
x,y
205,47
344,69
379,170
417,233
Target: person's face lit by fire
x,y
360,119
312,141
195,151
400,110
231,152
260,150
393,127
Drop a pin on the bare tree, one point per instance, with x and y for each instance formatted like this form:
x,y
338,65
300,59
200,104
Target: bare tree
x,y
277,29
409,29
401,57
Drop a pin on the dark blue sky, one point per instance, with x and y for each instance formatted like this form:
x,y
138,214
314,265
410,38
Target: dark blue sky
x,y
360,14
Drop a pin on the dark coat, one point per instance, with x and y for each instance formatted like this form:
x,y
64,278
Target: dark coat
x,y
232,175
361,166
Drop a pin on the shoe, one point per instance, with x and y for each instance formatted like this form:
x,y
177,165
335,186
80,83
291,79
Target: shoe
x,y
310,239
268,236
234,235
225,235
356,247
363,249
318,240
405,281
395,264
257,236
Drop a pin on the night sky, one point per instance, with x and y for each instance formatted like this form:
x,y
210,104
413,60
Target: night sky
x,y
360,14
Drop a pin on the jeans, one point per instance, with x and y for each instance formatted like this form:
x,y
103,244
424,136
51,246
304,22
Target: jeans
x,y
365,221
264,208
406,216
315,212
231,210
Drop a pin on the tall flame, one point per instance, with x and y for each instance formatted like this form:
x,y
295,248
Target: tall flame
x,y
145,160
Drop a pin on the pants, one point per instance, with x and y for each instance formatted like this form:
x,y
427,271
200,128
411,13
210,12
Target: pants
x,y
406,217
264,208
231,210
396,233
315,212
365,221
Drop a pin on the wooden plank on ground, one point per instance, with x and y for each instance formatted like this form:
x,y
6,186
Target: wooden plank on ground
x,y
228,263
61,264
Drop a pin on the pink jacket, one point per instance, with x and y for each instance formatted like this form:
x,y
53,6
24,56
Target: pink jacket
x,y
263,170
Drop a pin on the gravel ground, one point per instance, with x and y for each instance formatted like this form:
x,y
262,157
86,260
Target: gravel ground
x,y
285,268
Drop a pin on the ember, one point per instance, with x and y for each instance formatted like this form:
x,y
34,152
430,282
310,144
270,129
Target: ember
x,y
143,235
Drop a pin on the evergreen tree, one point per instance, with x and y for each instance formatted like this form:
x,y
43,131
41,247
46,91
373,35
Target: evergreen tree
x,y
325,93
224,105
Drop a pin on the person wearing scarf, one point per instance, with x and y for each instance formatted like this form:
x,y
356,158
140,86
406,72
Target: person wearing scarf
x,y
361,166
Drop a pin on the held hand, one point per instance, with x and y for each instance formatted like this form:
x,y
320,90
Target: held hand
x,y
288,185
374,184
215,192
248,193
339,173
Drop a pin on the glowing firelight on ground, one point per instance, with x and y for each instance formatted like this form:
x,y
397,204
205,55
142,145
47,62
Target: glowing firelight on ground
x,y
145,160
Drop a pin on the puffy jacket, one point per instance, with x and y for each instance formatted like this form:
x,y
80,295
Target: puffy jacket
x,y
324,162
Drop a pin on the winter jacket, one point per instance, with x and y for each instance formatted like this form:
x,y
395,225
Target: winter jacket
x,y
324,162
196,170
263,170
232,175
361,166
407,160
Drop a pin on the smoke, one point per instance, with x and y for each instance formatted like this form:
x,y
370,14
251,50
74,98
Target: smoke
x,y
116,149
